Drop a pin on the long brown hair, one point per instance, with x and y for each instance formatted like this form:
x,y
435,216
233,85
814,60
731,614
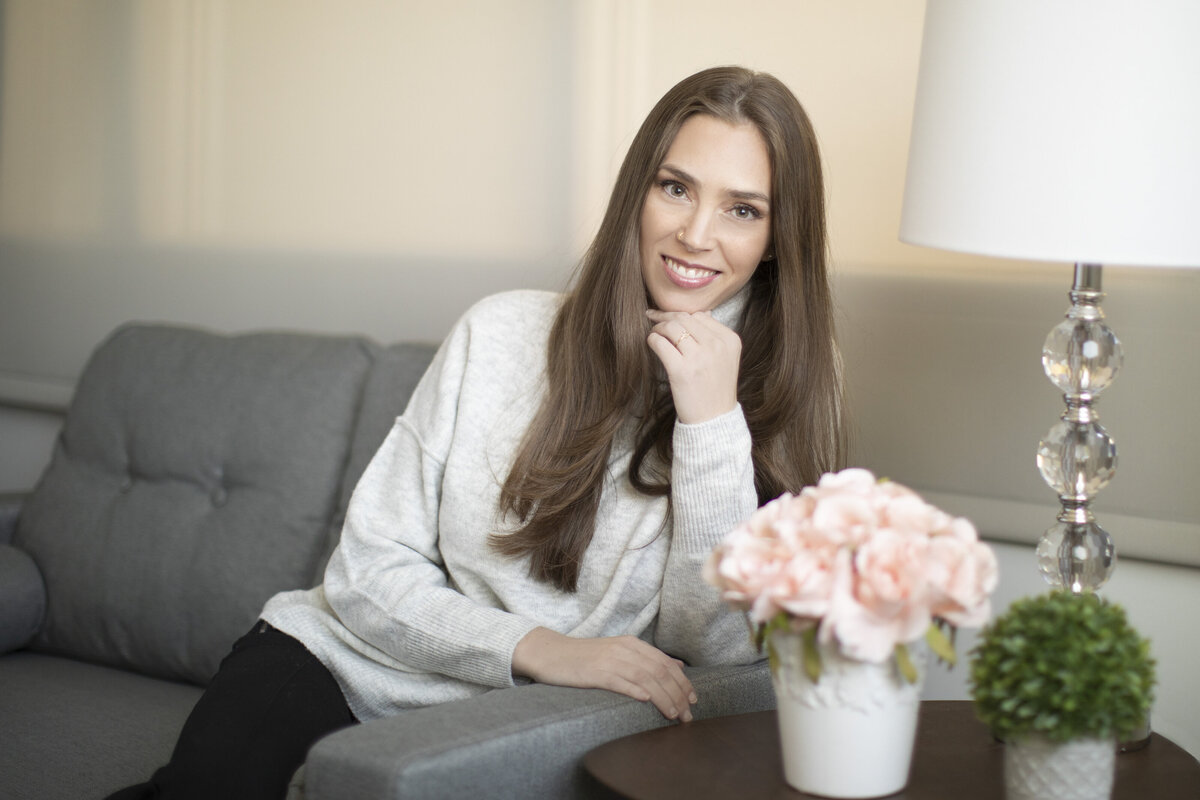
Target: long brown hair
x,y
600,372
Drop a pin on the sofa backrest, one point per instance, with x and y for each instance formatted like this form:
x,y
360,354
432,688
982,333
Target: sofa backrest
x,y
196,475
394,375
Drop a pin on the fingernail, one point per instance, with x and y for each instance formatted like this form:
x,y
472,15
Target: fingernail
x,y
674,713
692,698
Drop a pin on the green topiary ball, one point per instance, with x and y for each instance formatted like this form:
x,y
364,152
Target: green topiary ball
x,y
1064,666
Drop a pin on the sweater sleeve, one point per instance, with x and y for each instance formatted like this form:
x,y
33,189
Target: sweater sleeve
x,y
386,580
712,490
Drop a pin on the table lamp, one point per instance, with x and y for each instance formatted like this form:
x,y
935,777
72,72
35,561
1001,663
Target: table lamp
x,y
1062,130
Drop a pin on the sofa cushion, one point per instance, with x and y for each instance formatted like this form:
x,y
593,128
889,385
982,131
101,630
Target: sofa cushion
x,y
196,475
75,730
22,598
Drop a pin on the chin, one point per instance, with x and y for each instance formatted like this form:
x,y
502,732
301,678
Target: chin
x,y
682,306
676,301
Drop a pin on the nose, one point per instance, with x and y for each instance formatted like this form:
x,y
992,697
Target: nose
x,y
696,232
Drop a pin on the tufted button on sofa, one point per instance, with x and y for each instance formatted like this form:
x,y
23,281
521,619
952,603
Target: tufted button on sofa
x,y
196,475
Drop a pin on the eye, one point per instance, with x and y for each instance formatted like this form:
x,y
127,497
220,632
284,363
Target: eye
x,y
673,188
743,211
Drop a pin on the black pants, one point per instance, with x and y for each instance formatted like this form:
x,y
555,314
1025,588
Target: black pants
x,y
270,700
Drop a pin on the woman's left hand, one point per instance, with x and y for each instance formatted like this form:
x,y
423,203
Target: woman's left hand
x,y
701,357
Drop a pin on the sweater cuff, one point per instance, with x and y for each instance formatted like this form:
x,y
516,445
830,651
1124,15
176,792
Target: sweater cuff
x,y
712,478
498,634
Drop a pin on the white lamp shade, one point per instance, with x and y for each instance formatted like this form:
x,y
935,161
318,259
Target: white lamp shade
x,y
1058,130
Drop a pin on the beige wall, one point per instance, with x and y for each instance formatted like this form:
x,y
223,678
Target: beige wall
x,y
272,163
360,127
360,166
373,166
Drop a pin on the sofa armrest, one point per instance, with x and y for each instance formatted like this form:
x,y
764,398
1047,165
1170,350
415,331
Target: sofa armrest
x,y
10,509
523,742
22,598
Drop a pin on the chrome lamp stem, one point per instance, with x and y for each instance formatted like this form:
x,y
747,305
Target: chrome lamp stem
x,y
1077,457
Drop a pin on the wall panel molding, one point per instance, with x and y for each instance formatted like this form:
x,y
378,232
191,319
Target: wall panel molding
x,y
611,96
1137,538
35,393
179,118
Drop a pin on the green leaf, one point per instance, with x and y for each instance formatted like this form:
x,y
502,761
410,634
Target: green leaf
x,y
904,662
812,656
779,622
940,645
772,657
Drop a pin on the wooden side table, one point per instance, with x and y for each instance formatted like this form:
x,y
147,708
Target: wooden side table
x,y
738,757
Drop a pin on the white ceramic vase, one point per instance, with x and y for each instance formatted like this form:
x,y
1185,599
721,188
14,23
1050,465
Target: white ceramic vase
x,y
1036,768
850,734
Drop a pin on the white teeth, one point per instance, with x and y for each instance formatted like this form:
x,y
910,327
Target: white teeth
x,y
688,272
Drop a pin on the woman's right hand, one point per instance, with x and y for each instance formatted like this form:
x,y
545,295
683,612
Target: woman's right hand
x,y
622,664
701,358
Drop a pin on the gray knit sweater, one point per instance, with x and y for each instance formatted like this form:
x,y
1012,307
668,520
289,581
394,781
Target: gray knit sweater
x,y
417,609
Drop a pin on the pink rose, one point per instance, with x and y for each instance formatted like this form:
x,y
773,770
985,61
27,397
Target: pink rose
x,y
871,562
908,513
743,566
805,583
853,480
787,518
844,519
880,598
962,574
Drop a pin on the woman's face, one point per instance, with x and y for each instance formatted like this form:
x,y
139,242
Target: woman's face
x,y
706,222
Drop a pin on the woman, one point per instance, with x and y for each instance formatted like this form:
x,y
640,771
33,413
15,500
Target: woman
x,y
543,508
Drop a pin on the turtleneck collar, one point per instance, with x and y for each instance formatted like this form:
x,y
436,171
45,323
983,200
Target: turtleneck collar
x,y
729,313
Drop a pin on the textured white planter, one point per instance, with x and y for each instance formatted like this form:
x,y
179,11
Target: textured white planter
x,y
1038,769
850,735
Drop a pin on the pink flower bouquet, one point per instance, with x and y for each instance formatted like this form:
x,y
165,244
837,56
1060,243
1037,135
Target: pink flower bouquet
x,y
865,564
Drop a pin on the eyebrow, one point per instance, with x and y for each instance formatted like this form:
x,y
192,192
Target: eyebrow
x,y
737,194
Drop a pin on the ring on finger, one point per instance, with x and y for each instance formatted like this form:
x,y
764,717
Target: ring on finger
x,y
683,337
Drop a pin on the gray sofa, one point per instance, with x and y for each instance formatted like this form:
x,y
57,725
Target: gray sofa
x,y
196,475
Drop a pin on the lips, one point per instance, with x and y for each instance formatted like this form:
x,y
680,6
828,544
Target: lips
x,y
687,276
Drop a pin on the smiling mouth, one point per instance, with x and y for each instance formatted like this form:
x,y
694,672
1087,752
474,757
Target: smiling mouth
x,y
688,275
